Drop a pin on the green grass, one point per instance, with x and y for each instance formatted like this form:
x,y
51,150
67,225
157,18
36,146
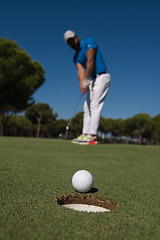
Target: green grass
x,y
33,172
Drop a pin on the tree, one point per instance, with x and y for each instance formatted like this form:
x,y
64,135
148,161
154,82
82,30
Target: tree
x,y
118,128
156,132
142,125
128,129
106,126
19,126
55,128
61,126
40,113
77,124
20,77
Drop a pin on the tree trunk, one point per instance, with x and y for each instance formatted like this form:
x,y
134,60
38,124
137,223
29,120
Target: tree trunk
x,y
2,128
127,139
157,140
2,125
140,139
38,127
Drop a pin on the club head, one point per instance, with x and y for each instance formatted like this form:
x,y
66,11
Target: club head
x,y
66,135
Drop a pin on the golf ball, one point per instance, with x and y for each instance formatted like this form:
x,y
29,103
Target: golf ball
x,y
82,181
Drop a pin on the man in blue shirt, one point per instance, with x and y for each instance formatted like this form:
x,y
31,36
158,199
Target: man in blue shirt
x,y
94,79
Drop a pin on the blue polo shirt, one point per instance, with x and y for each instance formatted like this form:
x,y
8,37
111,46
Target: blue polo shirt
x,y
81,56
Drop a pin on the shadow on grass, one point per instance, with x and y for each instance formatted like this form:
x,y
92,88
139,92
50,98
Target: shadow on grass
x,y
93,190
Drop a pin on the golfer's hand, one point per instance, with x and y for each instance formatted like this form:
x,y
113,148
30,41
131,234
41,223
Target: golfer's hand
x,y
84,85
84,90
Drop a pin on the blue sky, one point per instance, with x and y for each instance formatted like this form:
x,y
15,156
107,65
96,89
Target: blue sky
x,y
128,33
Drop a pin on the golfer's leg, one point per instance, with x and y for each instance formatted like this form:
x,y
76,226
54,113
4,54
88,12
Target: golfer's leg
x,y
100,91
87,113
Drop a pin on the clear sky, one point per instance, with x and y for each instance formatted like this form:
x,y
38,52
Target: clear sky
x,y
128,34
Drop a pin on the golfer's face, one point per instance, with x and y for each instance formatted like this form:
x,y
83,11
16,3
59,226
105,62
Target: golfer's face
x,y
74,43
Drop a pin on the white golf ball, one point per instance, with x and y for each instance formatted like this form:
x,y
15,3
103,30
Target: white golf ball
x,y
82,181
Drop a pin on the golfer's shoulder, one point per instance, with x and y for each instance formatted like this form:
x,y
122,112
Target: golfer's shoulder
x,y
90,43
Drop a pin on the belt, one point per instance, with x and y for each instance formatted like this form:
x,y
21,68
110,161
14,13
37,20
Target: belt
x,y
98,74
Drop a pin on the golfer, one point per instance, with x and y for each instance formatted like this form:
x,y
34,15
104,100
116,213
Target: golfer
x,y
94,79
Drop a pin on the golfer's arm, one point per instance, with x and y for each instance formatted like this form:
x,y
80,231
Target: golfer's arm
x,y
81,74
90,62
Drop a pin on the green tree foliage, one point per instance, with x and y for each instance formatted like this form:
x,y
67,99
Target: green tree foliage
x,y
61,126
40,113
77,124
20,77
54,128
128,129
141,128
106,126
19,126
118,127
156,132
142,125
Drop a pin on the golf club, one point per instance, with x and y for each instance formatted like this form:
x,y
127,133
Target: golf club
x,y
76,107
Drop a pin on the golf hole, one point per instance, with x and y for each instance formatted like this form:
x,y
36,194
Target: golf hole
x,y
86,203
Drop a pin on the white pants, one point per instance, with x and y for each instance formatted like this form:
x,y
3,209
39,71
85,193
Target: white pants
x,y
93,104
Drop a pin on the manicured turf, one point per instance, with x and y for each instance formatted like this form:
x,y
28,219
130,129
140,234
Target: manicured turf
x,y
33,172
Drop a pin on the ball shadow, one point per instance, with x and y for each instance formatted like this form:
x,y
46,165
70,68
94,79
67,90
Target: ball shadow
x,y
93,190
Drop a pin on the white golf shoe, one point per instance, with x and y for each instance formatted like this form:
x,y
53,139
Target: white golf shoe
x,y
78,139
88,140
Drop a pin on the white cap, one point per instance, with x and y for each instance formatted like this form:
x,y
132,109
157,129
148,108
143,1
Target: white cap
x,y
69,34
